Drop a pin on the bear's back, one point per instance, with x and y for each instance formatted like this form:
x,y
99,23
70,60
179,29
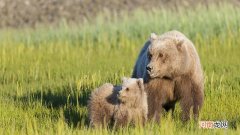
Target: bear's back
x,y
139,70
103,91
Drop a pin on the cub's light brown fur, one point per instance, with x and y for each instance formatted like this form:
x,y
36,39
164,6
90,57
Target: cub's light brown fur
x,y
126,104
174,70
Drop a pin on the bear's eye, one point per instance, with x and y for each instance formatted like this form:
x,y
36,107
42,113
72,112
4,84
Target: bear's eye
x,y
149,56
127,89
160,55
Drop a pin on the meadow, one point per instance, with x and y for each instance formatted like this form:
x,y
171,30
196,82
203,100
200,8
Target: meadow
x,y
47,73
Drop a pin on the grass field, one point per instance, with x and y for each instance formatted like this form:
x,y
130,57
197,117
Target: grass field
x,y
47,74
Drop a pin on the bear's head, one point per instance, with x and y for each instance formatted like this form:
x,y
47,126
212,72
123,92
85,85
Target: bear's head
x,y
132,91
167,56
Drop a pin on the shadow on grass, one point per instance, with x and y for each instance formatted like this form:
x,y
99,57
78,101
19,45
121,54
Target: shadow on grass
x,y
233,124
73,102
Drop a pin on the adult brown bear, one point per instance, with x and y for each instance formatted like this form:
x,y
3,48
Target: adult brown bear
x,y
171,69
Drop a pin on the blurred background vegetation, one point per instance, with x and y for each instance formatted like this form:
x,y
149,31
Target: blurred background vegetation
x,y
24,13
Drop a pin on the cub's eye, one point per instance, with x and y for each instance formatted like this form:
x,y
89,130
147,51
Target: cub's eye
x,y
127,89
160,55
149,56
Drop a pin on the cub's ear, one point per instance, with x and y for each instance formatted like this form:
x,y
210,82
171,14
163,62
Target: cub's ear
x,y
153,36
179,44
124,79
140,83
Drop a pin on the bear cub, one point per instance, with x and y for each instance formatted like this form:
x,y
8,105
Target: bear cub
x,y
120,105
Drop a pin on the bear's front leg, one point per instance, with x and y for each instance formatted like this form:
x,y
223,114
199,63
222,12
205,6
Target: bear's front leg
x,y
144,120
198,97
184,90
157,114
121,117
185,104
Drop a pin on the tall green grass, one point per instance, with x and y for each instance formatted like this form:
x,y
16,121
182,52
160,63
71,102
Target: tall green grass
x,y
47,74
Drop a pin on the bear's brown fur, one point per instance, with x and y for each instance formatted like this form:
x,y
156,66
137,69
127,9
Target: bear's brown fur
x,y
170,65
126,104
160,93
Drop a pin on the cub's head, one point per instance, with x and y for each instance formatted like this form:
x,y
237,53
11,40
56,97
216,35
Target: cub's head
x,y
132,91
166,55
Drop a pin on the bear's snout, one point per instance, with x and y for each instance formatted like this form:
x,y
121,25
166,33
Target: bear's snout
x,y
149,68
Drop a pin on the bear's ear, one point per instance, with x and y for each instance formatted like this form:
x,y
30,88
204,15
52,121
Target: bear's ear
x,y
153,36
179,43
140,83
